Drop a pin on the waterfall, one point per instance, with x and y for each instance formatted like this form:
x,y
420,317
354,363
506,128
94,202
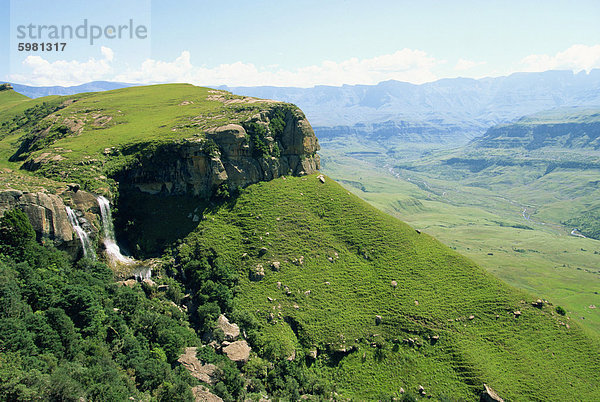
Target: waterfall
x,y
112,248
86,245
143,273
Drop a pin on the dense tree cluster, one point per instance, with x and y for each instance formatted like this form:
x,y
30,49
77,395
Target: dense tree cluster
x,y
67,331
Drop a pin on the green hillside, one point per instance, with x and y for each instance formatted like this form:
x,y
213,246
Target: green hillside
x,y
8,97
351,254
56,133
510,209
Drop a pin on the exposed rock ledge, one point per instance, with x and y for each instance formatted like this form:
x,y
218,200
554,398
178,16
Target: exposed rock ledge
x,y
187,168
48,215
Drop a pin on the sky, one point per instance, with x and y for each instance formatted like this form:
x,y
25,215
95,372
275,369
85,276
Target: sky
x,y
299,43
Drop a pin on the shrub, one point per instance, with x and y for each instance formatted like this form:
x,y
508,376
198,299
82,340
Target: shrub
x,y
560,310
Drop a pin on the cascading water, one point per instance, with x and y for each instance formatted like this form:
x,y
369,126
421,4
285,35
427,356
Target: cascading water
x,y
143,273
112,248
86,245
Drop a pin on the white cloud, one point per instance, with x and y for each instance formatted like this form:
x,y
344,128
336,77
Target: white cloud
x,y
62,72
464,64
107,53
404,65
576,58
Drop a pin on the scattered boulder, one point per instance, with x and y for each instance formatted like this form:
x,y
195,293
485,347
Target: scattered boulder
x,y
517,313
162,288
378,319
471,317
292,356
538,303
258,273
275,265
238,351
421,390
394,284
231,331
321,178
489,395
149,282
313,353
262,251
204,395
434,339
129,282
206,373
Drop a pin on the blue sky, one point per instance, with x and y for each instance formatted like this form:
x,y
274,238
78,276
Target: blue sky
x,y
303,43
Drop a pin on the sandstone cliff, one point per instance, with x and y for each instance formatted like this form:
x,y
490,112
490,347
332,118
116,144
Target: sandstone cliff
x,y
48,216
233,154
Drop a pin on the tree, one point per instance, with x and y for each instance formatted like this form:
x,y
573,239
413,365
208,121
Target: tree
x,y
16,233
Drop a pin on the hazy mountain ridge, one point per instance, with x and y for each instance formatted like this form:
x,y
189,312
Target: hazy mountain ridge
x,y
95,86
563,127
469,104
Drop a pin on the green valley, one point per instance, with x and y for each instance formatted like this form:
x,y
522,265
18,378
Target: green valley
x,y
509,205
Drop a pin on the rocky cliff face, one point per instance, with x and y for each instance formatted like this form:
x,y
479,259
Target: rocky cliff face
x,y
48,215
534,136
234,155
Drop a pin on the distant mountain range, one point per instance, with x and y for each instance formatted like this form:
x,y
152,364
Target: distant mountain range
x,y
444,111
95,86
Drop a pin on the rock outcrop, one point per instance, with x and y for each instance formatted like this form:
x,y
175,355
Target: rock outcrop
x,y
231,331
206,373
238,351
201,394
234,154
489,395
46,212
48,215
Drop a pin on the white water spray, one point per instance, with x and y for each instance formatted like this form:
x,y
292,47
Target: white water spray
x,y
112,248
86,245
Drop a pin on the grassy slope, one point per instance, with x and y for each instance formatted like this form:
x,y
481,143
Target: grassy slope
x,y
532,357
9,98
477,221
156,112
